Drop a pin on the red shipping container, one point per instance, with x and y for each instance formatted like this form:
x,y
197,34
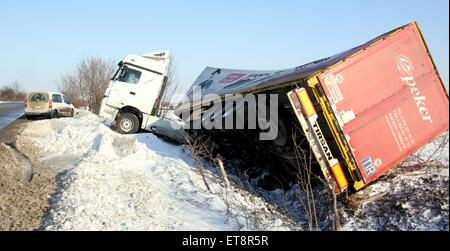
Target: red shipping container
x,y
389,100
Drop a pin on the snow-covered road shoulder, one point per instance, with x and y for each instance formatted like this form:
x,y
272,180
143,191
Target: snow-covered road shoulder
x,y
110,181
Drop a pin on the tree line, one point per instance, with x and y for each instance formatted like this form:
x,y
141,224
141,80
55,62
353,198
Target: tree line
x,y
12,92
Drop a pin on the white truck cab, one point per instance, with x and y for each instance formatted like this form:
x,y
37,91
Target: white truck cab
x,y
134,93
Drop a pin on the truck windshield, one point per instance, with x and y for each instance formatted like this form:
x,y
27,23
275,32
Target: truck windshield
x,y
129,75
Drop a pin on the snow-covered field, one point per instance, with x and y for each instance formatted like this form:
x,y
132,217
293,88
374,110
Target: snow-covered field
x,y
109,181
116,182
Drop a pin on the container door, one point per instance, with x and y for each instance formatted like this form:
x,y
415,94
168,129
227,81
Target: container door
x,y
389,101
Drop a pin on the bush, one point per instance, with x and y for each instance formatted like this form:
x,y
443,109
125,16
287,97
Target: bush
x,y
86,85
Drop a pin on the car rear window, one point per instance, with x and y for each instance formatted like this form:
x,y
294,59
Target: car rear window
x,y
57,98
38,97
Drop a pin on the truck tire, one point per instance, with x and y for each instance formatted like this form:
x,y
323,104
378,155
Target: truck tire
x,y
127,123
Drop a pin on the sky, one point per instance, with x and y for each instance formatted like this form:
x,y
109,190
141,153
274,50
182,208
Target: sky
x,y
41,40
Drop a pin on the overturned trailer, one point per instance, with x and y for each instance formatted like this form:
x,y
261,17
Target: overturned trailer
x,y
359,113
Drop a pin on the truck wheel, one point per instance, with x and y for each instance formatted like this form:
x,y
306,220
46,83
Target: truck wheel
x,y
127,123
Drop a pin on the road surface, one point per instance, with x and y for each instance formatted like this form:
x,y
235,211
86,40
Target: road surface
x,y
10,112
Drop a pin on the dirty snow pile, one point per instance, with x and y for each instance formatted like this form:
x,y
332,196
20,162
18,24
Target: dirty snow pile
x,y
109,181
10,102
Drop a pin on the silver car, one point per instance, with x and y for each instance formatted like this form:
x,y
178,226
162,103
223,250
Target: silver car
x,y
49,104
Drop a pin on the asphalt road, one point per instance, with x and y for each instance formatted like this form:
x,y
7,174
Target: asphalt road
x,y
10,112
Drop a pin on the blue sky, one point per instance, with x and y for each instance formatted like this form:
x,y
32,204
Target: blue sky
x,y
40,40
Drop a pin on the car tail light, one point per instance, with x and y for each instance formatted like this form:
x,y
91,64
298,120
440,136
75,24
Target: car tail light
x,y
50,104
26,103
339,174
307,105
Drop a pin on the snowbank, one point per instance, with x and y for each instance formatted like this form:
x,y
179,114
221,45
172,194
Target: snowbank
x,y
116,182
415,196
10,102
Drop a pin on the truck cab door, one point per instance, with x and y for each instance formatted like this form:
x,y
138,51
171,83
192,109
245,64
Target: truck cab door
x,y
122,86
135,87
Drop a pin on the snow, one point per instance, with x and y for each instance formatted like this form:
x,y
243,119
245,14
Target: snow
x,y
415,196
10,102
110,181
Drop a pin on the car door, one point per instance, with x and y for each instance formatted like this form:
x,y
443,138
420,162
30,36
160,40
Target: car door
x,y
59,104
67,104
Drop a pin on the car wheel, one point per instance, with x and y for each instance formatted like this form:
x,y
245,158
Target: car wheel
x,y
127,123
54,114
29,117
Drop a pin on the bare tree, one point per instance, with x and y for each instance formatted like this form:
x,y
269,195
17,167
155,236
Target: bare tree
x,y
69,86
16,86
86,85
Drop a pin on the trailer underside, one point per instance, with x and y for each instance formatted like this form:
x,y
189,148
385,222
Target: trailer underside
x,y
273,164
